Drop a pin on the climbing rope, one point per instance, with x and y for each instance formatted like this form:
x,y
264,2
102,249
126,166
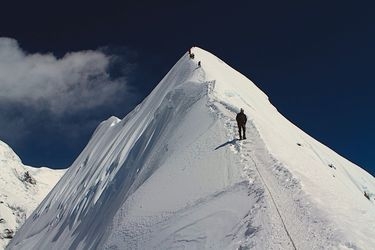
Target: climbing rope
x,y
274,202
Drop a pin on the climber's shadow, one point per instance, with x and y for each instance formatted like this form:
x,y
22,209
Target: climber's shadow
x,y
232,142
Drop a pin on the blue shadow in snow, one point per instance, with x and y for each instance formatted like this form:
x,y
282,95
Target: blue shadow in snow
x,y
227,143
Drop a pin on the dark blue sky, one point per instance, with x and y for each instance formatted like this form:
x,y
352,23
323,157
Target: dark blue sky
x,y
314,59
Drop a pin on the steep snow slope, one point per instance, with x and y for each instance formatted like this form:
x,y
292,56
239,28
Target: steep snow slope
x,y
18,198
171,175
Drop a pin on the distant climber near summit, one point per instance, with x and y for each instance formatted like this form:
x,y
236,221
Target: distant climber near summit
x,y
191,55
241,119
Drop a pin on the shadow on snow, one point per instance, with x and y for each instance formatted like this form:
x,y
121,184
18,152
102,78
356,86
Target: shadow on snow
x,y
232,142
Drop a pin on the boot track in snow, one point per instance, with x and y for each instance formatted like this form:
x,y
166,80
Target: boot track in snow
x,y
255,156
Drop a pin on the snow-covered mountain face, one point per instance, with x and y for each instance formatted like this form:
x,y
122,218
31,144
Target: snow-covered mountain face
x,y
22,188
172,175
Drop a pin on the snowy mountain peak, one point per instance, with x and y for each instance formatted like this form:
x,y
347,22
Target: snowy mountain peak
x,y
7,155
22,188
172,174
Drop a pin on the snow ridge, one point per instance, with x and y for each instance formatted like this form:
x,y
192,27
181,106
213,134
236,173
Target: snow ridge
x,y
309,223
172,175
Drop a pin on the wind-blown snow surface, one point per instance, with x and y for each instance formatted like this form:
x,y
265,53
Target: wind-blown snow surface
x,y
18,198
171,175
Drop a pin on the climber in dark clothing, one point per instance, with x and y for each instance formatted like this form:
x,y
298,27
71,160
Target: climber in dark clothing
x,y
241,123
191,55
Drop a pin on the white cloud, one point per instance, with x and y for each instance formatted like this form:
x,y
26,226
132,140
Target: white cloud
x,y
76,82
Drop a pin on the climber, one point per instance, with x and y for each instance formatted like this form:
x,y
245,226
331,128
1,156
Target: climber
x,y
367,195
191,55
241,123
199,64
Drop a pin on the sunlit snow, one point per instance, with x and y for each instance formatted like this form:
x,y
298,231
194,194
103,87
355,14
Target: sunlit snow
x,y
172,175
19,196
